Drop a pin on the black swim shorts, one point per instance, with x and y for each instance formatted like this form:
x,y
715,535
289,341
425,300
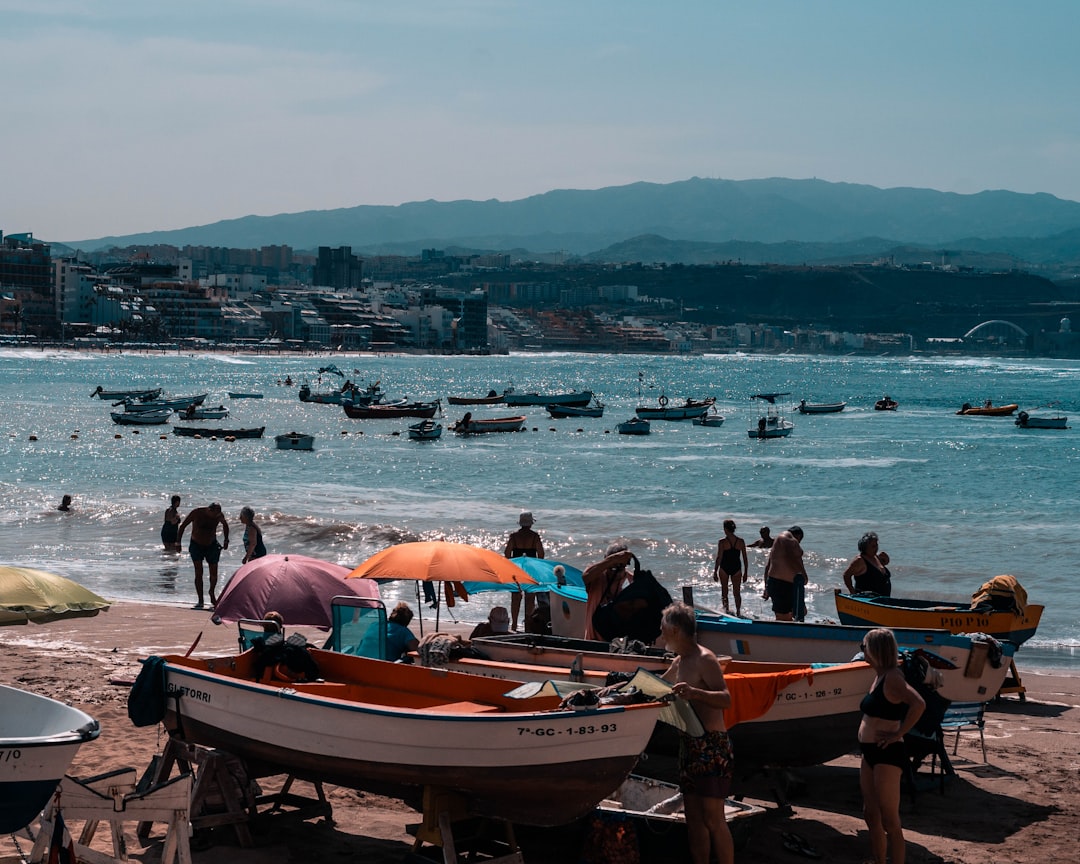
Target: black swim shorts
x,y
211,553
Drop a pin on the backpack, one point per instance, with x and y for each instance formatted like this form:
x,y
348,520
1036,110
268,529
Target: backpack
x,y
146,701
920,668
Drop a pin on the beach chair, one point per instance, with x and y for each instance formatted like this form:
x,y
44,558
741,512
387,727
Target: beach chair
x,y
359,626
255,628
965,715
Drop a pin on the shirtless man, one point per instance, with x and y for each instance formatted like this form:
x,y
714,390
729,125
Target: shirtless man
x,y
204,545
705,763
783,569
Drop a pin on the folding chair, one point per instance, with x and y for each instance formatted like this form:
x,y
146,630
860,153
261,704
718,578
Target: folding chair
x,y
965,715
359,626
255,628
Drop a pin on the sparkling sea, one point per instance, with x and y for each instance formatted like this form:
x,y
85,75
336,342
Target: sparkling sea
x,y
955,500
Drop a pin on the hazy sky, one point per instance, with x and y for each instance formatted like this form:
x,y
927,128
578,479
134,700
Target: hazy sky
x,y
121,116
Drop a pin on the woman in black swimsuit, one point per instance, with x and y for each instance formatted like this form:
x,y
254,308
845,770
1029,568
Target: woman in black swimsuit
x,y
171,524
869,569
890,710
731,564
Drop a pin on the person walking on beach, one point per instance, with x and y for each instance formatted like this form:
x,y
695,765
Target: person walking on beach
x,y
170,526
253,539
731,564
523,542
890,710
869,568
783,569
705,763
203,546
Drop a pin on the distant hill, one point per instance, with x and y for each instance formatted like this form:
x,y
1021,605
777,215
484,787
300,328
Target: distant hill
x,y
811,219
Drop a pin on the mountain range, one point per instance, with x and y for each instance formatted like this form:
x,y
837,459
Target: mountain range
x,y
691,221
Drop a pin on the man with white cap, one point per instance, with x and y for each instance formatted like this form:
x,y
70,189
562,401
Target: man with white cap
x,y
523,543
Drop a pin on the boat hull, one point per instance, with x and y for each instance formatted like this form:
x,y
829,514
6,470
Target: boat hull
x,y
39,738
294,441
537,766
634,427
1029,422
822,408
992,411
141,418
561,412
202,432
974,679
425,431
390,412
494,424
941,615
579,398
688,411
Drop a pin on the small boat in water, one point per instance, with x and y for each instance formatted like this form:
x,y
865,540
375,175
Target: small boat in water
x,y
664,410
397,728
492,398
195,412
875,611
886,403
38,739
1028,421
560,412
178,403
378,411
294,441
469,425
579,398
712,419
114,395
771,425
238,395
821,407
987,409
203,432
633,426
142,418
425,430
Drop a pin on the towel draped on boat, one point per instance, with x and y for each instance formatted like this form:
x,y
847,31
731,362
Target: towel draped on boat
x,y
1002,593
754,693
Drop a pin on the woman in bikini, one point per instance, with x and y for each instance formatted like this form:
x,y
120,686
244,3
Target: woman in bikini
x,y
731,564
869,569
890,710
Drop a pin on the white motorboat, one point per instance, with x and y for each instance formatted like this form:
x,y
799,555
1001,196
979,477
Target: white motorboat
x,y
38,739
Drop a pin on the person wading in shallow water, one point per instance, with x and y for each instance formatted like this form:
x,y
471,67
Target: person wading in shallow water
x,y
204,522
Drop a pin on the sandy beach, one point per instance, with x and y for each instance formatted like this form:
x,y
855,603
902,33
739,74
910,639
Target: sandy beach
x,y
1022,805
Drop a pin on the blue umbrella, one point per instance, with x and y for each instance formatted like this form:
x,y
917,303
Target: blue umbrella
x,y
543,571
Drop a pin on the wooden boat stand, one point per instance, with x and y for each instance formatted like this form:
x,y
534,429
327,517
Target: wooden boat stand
x,y
224,792
114,798
443,810
1012,683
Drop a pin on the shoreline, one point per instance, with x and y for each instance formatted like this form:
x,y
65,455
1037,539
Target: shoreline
x,y
1020,806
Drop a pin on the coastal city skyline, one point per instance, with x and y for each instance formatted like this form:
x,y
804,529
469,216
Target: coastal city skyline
x,y
129,118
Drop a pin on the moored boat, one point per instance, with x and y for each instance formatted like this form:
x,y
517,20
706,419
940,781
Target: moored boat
x,y
101,393
633,426
987,409
141,418
378,411
425,430
194,412
875,611
394,728
559,412
205,432
712,419
179,403
579,398
1028,421
242,395
294,441
38,739
469,425
886,403
771,424
664,410
492,398
821,407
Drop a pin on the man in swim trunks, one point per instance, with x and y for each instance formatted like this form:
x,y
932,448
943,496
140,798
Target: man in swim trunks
x,y
784,573
705,764
204,546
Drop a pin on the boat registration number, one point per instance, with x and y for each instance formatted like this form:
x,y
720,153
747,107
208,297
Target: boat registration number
x,y
807,694
10,755
590,729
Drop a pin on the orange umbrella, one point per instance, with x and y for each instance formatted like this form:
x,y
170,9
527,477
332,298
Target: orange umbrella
x,y
438,560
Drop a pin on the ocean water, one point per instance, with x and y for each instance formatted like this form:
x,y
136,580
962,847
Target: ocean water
x,y
955,500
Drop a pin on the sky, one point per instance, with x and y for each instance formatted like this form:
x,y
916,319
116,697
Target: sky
x,y
125,116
